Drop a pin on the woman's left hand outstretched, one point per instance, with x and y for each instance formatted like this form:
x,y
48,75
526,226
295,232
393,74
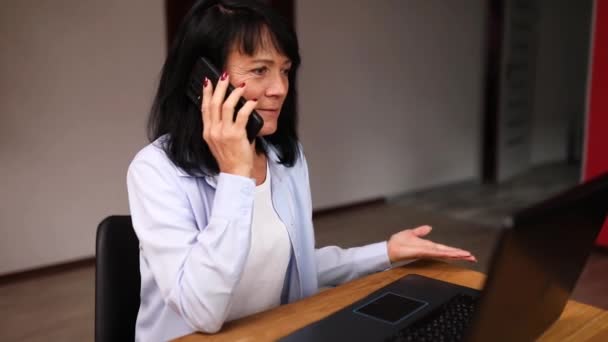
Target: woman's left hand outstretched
x,y
409,244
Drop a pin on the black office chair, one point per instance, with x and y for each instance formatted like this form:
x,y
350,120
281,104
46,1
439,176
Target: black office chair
x,y
117,280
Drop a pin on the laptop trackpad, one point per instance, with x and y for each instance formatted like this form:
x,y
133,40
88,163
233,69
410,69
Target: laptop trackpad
x,y
391,307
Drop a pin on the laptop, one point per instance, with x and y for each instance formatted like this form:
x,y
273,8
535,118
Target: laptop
x,y
538,258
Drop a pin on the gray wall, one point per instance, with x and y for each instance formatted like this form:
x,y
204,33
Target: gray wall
x,y
77,78
561,78
389,95
389,103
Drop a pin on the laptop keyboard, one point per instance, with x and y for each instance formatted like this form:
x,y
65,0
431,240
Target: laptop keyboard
x,y
447,323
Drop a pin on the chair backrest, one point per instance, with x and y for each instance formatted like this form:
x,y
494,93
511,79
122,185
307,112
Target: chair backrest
x,y
117,280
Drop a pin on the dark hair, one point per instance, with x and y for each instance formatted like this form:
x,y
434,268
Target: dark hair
x,y
211,29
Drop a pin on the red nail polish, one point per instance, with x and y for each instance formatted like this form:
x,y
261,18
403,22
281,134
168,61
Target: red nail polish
x,y
224,75
205,82
242,85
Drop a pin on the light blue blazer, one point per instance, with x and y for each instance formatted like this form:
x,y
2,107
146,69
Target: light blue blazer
x,y
195,234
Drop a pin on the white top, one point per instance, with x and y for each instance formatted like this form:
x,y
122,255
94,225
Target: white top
x,y
261,282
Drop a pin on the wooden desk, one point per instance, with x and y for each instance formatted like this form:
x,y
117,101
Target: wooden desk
x,y
579,322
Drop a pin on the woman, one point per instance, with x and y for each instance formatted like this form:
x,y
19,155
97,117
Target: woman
x,y
225,226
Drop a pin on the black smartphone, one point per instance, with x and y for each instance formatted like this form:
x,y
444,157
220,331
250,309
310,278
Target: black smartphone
x,y
203,68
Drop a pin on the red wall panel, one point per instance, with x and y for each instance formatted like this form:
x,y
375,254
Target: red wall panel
x,y
596,144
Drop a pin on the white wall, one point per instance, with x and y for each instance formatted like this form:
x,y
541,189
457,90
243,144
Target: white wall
x,y
561,77
390,95
77,77
389,102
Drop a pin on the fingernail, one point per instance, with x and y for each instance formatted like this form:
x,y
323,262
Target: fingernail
x,y
242,85
205,82
224,75
255,99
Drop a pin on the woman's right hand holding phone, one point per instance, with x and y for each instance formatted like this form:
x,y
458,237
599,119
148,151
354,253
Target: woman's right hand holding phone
x,y
227,138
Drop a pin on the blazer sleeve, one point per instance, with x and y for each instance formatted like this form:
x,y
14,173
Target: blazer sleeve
x,y
196,268
336,265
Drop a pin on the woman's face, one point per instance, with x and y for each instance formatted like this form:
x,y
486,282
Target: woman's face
x,y
266,76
